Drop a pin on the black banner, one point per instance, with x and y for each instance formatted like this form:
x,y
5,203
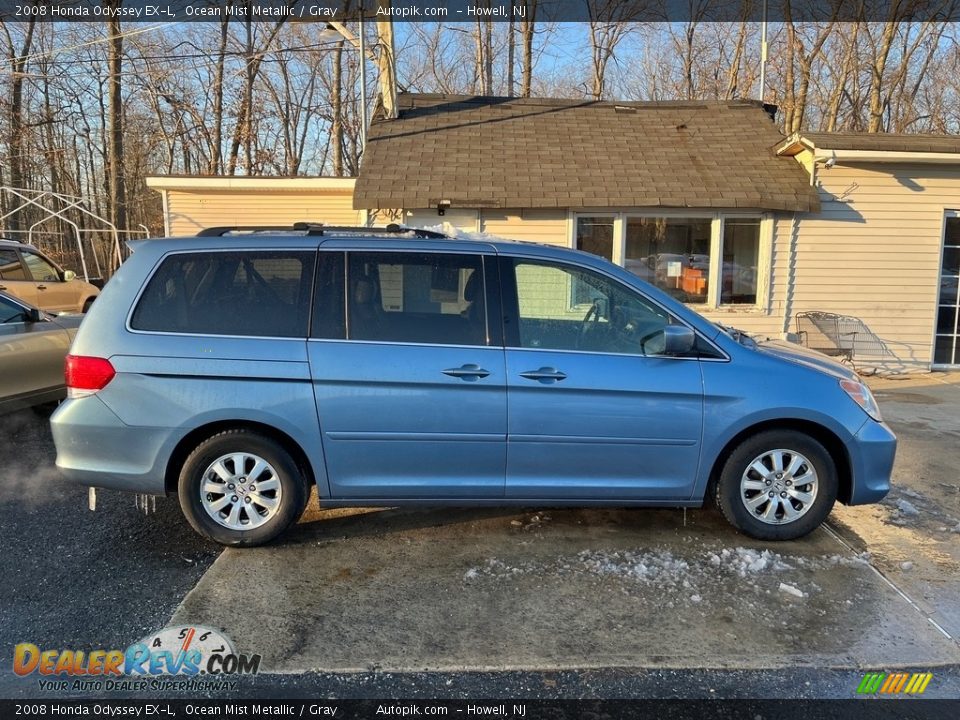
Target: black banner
x,y
469,11
872,709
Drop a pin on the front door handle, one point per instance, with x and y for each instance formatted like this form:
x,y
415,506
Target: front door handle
x,y
41,287
470,372
544,375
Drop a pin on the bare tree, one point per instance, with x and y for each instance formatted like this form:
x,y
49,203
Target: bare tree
x,y
17,55
527,31
605,36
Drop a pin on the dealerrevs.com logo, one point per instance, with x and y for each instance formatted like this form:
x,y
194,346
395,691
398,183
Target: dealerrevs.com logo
x,y
172,659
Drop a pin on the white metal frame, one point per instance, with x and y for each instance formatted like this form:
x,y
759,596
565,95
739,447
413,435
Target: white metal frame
x,y
58,205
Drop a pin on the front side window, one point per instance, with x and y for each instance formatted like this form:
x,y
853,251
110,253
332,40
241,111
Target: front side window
x,y
10,267
262,293
433,298
671,253
40,268
561,307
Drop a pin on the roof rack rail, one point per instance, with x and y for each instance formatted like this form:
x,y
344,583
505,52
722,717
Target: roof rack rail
x,y
313,228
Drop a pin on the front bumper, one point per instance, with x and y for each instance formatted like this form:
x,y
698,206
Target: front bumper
x,y
872,453
94,447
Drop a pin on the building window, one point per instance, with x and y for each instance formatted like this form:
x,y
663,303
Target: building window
x,y
699,258
595,235
741,250
946,344
671,253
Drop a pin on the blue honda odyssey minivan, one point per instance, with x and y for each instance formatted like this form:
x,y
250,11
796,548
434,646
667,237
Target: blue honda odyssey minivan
x,y
241,368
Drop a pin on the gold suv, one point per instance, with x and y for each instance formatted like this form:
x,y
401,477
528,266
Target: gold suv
x,y
28,274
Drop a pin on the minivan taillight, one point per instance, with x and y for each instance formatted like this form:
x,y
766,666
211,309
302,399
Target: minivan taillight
x,y
86,375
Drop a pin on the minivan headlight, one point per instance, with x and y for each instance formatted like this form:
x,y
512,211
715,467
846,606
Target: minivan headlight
x,y
862,396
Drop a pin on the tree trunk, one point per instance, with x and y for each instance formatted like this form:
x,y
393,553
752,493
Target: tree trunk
x,y
216,152
336,98
527,29
117,196
15,149
847,70
733,75
877,103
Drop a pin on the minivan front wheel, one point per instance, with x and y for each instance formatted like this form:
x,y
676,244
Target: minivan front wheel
x,y
777,485
241,488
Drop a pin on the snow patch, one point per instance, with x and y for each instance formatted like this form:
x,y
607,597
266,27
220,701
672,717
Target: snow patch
x,y
453,231
907,508
791,590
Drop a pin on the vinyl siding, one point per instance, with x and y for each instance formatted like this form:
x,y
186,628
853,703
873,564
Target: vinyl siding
x,y
191,211
542,226
873,254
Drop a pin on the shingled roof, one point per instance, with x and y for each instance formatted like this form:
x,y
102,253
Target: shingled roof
x,y
488,152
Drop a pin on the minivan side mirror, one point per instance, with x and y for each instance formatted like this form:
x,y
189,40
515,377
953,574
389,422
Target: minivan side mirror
x,y
677,340
69,275
34,315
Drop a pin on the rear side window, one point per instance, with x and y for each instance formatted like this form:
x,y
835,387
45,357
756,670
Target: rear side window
x,y
434,298
10,267
263,293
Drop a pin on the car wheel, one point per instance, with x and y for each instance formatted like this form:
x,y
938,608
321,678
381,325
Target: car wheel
x,y
241,488
87,305
777,485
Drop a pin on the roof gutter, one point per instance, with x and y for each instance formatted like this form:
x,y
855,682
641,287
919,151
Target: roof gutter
x,y
887,156
301,184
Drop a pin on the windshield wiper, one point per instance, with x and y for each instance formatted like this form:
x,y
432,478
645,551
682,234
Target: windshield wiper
x,y
739,335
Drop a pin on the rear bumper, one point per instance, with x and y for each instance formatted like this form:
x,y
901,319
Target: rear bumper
x,y
94,447
872,454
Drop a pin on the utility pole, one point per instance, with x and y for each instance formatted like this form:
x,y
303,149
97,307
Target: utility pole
x,y
384,57
763,53
363,85
386,62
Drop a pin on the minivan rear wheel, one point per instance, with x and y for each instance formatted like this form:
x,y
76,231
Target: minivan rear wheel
x,y
241,488
777,485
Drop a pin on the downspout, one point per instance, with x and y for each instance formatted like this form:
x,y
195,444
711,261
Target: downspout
x,y
166,212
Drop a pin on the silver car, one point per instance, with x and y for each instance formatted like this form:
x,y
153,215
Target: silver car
x,y
33,345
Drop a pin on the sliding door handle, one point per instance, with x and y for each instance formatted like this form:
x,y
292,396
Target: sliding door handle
x,y
469,372
544,375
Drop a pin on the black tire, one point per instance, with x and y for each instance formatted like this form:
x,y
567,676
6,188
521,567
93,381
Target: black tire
x,y
294,487
87,305
728,496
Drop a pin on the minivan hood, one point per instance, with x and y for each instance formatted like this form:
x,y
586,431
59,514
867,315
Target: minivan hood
x,y
809,358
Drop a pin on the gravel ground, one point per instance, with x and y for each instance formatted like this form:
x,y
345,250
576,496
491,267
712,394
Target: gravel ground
x,y
75,578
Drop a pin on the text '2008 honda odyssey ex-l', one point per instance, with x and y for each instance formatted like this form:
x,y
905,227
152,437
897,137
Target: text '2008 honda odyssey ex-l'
x,y
391,366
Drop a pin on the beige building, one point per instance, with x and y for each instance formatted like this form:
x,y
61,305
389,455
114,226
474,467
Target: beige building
x,y
192,203
705,200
